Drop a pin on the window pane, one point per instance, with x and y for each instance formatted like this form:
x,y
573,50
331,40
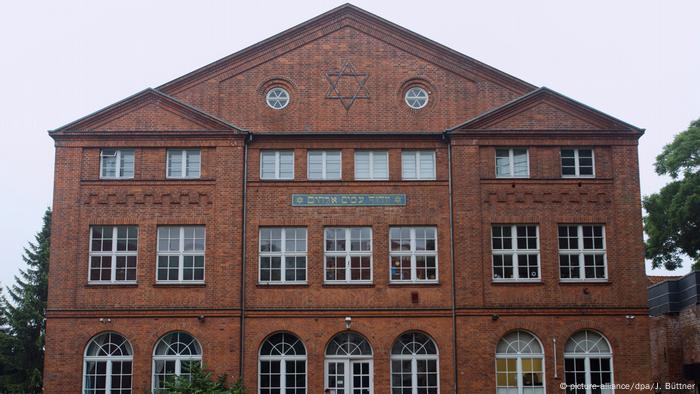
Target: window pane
x,y
316,165
193,163
286,165
108,162
362,160
520,165
175,163
267,164
408,165
380,162
503,163
427,165
126,166
333,164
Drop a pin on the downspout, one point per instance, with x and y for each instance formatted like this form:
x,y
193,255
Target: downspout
x,y
452,257
247,139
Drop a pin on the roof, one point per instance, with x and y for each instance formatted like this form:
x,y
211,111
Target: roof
x,y
349,11
654,279
514,106
130,102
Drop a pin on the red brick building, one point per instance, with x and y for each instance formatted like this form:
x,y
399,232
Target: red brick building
x,y
348,205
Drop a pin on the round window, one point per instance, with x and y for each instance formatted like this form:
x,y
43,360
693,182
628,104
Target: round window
x,y
416,97
277,98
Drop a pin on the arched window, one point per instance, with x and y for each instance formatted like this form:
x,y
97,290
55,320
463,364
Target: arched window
x,y
282,365
107,365
414,365
174,355
349,364
519,364
588,363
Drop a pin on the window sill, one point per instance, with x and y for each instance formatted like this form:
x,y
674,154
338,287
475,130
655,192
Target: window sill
x,y
348,284
587,282
111,284
267,285
414,284
179,284
517,282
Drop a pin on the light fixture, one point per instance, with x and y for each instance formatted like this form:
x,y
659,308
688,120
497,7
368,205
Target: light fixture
x,y
348,322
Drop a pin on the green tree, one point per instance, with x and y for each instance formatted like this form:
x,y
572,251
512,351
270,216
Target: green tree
x,y
201,382
672,222
24,318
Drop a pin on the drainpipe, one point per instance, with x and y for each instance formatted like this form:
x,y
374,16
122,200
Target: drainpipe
x,y
248,139
452,257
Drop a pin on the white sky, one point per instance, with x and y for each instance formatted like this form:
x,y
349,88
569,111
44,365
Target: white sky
x,y
638,60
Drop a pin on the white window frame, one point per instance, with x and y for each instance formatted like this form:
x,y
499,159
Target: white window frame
x,y
511,162
118,155
413,253
414,96
277,176
178,358
414,365
348,360
283,254
348,254
587,363
514,252
269,98
109,359
577,164
372,176
519,366
181,253
416,155
184,153
324,156
282,358
114,254
581,252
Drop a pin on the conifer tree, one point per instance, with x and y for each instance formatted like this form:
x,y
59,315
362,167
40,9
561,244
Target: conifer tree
x,y
23,318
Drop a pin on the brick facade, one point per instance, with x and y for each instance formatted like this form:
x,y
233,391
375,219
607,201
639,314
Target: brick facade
x,y
221,110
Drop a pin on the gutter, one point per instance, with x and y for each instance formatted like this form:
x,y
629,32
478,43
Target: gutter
x,y
246,141
445,136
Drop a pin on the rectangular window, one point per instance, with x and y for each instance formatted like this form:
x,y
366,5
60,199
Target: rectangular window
x,y
577,163
181,254
283,255
277,165
324,165
418,165
512,163
516,252
348,255
184,163
116,163
113,254
371,165
582,252
413,254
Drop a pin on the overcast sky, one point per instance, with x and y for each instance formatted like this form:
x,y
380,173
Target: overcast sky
x,y
60,60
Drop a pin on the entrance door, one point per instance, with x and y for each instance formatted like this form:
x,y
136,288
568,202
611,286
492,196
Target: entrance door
x,y
349,376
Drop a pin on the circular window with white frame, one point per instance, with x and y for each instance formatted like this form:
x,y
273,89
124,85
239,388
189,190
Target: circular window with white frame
x,y
277,98
416,97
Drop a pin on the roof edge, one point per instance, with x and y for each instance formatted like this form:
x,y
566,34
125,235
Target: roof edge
x,y
538,92
335,13
226,125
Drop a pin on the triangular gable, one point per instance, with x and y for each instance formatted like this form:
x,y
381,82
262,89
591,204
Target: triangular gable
x,y
348,15
149,110
544,109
